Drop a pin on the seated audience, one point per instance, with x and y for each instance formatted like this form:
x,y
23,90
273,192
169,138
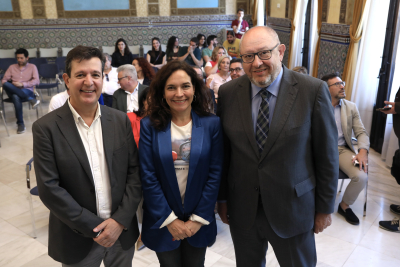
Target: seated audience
x,y
110,81
231,44
126,99
301,69
18,82
145,72
236,68
179,236
156,57
348,121
211,66
139,114
239,25
214,81
58,100
122,55
172,48
200,74
207,52
202,41
192,54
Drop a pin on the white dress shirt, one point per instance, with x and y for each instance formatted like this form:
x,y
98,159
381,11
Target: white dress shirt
x,y
92,139
132,99
110,86
58,100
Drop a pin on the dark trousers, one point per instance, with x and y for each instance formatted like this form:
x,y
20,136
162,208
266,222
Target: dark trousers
x,y
18,95
251,245
108,99
184,256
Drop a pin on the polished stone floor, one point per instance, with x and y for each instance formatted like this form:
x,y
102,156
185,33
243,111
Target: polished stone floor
x,y
341,244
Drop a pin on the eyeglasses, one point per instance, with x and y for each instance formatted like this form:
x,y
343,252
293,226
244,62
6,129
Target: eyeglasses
x,y
237,70
338,84
119,79
263,55
107,78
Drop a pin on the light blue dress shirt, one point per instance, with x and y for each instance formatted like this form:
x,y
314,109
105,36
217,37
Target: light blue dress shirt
x,y
273,89
338,119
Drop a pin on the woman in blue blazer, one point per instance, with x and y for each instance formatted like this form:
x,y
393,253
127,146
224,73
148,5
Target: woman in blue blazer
x,y
181,157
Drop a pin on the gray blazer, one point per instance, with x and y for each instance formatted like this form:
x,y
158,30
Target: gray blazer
x,y
351,121
119,98
66,185
296,174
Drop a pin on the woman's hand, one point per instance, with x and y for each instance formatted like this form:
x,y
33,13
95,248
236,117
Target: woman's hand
x,y
178,230
193,226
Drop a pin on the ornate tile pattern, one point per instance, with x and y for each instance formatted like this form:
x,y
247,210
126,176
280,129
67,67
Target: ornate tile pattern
x,y
282,28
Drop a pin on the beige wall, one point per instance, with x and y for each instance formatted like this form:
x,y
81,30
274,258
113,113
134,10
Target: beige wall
x,y
51,9
333,11
26,9
278,12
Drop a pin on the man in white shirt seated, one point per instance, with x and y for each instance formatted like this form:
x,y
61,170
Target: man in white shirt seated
x,y
110,81
126,98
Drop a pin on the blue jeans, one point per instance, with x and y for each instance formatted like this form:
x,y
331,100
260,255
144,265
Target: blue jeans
x,y
18,95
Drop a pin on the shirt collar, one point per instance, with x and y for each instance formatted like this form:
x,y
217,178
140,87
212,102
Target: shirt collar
x,y
273,88
77,116
136,88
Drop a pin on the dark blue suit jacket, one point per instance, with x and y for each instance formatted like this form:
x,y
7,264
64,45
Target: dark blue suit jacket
x,y
160,187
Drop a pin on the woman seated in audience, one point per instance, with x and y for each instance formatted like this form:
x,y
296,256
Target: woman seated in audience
x,y
202,41
156,57
214,81
172,48
145,72
122,55
211,66
180,185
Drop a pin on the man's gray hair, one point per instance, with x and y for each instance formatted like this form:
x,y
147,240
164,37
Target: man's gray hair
x,y
129,70
107,55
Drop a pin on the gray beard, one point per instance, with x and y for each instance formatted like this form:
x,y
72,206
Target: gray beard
x,y
267,82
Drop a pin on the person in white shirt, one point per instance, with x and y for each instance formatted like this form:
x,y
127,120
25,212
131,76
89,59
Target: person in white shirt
x,y
110,81
214,81
126,98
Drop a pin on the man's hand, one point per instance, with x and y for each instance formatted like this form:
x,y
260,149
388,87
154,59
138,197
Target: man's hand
x,y
223,212
18,84
190,50
178,230
322,221
362,158
111,231
391,110
193,226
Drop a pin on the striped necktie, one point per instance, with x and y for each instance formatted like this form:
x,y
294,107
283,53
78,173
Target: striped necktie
x,y
262,126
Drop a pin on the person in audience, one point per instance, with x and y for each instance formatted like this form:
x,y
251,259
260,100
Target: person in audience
x,y
192,55
200,74
231,44
126,98
211,66
145,72
172,48
18,82
87,171
236,68
202,41
207,52
348,121
58,100
110,81
122,55
214,81
393,225
281,159
239,25
156,57
179,119
301,69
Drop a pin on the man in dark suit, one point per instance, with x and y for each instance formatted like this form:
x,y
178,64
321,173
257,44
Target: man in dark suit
x,y
281,159
87,171
126,98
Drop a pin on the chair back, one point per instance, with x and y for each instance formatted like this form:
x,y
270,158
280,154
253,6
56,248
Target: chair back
x,y
5,63
38,61
60,61
48,71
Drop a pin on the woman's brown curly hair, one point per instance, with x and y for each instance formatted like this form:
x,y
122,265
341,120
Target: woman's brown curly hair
x,y
147,70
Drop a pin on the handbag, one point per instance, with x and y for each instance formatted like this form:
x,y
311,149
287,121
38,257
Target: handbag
x,y
395,170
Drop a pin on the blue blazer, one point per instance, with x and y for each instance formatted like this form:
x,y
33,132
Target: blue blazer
x,y
160,186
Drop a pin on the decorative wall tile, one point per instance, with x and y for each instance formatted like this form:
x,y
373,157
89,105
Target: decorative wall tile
x,y
332,57
282,28
335,29
51,9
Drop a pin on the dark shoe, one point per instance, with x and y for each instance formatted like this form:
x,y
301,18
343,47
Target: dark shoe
x,y
34,102
395,209
21,128
392,226
349,215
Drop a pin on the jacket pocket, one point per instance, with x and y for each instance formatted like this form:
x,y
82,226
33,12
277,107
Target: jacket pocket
x,y
304,186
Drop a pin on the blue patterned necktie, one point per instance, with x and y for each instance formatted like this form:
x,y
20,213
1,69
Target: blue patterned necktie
x,y
262,126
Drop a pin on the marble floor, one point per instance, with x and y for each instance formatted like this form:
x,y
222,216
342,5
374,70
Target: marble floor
x,y
341,244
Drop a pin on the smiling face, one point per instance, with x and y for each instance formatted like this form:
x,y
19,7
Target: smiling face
x,y
177,42
85,83
230,38
178,93
202,39
221,52
121,46
262,72
156,45
236,70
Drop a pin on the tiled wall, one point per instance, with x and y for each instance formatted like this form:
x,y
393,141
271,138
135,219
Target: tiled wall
x,y
282,27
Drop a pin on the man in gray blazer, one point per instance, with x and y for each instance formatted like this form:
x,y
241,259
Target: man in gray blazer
x,y
348,121
87,171
126,98
281,159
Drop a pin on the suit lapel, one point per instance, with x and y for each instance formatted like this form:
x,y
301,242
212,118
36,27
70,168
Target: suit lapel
x,y
124,101
107,128
67,126
286,97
